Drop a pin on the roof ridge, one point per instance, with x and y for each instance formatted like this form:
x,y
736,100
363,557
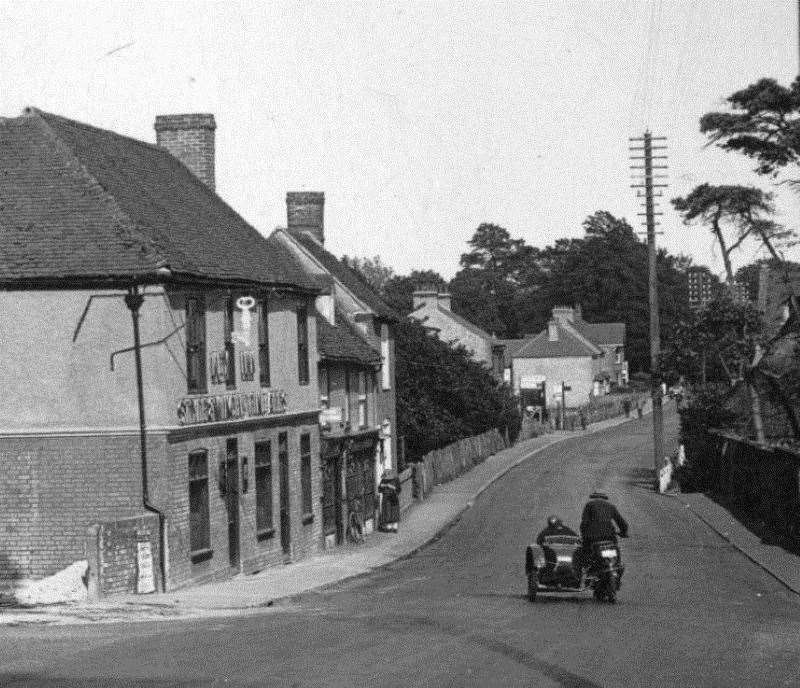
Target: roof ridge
x,y
464,321
579,336
123,220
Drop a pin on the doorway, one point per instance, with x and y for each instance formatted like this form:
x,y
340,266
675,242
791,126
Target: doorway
x,y
283,480
232,499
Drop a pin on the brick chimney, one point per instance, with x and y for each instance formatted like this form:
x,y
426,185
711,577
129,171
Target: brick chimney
x,y
552,331
190,138
563,314
424,297
305,212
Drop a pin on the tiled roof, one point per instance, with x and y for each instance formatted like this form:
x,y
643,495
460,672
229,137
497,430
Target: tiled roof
x,y
346,276
342,343
512,346
601,333
569,344
83,204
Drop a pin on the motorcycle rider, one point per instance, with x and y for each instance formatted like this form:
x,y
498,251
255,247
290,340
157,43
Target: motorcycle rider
x,y
554,527
597,523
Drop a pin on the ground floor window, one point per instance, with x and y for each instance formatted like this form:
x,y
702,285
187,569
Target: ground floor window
x,y
199,524
305,477
263,469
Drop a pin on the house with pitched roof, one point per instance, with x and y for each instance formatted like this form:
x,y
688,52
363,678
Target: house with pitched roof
x,y
161,394
433,310
357,386
586,358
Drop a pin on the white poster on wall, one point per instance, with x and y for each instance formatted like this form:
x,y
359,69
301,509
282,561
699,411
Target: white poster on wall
x,y
145,581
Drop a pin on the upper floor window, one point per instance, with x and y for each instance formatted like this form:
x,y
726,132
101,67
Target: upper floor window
x,y
302,345
230,349
324,388
386,378
347,396
195,345
363,409
263,344
619,355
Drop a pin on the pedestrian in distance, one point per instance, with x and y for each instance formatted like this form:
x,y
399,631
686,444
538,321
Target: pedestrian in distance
x,y
389,489
626,407
639,411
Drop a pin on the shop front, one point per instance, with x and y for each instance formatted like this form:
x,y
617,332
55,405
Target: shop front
x,y
348,485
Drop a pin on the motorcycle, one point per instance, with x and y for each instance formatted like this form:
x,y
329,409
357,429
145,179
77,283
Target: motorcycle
x,y
560,565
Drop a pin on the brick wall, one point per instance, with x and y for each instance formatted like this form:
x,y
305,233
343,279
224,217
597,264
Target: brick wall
x,y
255,554
53,488
112,550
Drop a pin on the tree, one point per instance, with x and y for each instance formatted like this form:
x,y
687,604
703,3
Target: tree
x,y
443,394
398,291
763,124
374,272
606,272
732,212
496,280
713,344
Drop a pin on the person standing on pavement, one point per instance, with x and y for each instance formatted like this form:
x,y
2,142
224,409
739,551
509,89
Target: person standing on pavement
x,y
389,489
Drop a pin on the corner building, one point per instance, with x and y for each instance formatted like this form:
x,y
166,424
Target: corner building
x,y
159,361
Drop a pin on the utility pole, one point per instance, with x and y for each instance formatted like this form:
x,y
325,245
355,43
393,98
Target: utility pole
x,y
647,183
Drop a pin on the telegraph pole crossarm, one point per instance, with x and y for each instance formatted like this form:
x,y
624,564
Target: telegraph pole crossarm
x,y
650,213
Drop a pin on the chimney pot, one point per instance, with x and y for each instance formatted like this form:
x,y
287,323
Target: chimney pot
x,y
424,297
190,138
305,212
552,331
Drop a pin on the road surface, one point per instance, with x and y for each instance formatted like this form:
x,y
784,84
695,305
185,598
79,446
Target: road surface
x,y
692,610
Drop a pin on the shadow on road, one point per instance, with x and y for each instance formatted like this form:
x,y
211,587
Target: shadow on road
x,y
756,526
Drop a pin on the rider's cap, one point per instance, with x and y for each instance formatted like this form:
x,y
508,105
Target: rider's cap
x,y
598,495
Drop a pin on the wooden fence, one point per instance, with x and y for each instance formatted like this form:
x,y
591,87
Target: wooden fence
x,y
765,481
442,465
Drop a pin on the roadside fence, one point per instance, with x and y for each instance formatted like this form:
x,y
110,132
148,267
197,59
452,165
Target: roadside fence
x,y
442,465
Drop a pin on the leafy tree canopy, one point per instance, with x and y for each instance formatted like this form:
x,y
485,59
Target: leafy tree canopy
x,y
763,123
398,290
374,272
444,395
732,212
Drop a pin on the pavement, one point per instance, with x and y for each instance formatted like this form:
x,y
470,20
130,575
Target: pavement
x,y
424,522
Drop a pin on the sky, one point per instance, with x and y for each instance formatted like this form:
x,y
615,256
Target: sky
x,y
419,120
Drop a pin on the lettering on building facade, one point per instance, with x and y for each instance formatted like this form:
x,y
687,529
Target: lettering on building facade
x,y
213,408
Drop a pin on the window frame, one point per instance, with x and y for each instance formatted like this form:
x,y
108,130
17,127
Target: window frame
x,y
230,345
262,465
363,404
203,550
303,348
195,325
306,487
264,372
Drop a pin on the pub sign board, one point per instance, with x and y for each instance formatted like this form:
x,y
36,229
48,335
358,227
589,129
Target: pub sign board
x,y
213,408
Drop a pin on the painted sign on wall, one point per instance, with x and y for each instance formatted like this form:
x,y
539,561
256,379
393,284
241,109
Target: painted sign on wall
x,y
213,408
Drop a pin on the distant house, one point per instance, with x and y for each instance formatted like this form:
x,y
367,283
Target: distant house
x,y
432,309
587,358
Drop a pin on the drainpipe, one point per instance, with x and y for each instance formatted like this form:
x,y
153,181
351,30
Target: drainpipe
x,y
134,300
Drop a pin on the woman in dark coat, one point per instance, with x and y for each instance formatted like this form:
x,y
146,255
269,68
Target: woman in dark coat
x,y
389,489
